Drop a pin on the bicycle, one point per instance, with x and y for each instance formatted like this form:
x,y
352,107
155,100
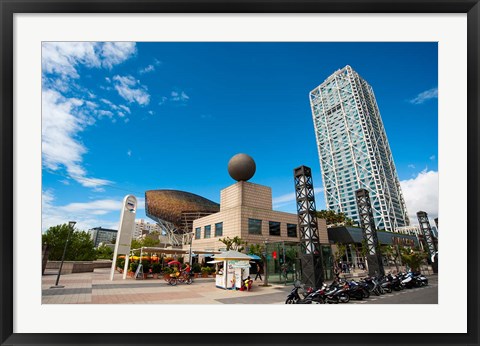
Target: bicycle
x,y
183,277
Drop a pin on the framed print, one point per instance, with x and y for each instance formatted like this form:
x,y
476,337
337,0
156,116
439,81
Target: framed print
x,y
185,172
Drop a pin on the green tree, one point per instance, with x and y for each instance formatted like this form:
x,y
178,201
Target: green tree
x,y
256,249
104,252
341,251
412,258
334,218
150,242
236,244
80,245
135,244
290,255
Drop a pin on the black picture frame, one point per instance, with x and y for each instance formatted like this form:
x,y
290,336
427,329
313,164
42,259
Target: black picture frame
x,y
10,7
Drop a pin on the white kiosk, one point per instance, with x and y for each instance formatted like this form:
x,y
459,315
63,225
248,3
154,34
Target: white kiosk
x,y
235,268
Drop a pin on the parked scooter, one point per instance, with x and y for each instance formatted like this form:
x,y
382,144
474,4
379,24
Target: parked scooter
x,y
294,295
335,293
302,295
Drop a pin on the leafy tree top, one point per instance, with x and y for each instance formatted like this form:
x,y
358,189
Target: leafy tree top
x,y
235,243
80,245
334,219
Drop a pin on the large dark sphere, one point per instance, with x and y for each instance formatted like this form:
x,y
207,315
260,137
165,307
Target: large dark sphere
x,y
241,167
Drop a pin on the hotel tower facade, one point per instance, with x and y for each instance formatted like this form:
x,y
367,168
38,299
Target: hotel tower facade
x,y
354,151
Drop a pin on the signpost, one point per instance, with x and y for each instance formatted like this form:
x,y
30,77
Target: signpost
x,y
125,232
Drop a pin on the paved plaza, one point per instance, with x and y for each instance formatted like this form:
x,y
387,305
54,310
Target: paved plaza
x,y
96,288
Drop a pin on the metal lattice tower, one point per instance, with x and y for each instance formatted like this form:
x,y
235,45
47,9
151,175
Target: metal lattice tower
x,y
428,237
354,151
311,258
374,258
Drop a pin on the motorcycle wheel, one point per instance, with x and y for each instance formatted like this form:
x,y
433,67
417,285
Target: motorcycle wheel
x,y
344,298
381,290
290,301
376,291
318,301
366,293
172,281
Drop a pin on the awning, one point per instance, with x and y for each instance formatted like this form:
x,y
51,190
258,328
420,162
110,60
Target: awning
x,y
215,261
255,257
241,265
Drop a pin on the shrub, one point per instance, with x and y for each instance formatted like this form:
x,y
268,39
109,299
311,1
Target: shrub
x,y
133,266
120,262
205,270
167,270
156,268
196,268
146,266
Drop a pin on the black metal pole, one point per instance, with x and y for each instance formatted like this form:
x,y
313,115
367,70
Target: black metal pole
x,y
265,265
70,225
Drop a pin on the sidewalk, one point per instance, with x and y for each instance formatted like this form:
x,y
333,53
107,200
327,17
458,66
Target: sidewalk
x,y
96,288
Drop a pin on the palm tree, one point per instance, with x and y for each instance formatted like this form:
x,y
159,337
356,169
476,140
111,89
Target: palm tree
x,y
233,244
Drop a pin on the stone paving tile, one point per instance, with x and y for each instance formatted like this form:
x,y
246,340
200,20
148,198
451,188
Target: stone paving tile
x,y
255,299
66,291
128,298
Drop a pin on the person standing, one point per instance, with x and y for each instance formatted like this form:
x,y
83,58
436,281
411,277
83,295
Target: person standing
x,y
259,274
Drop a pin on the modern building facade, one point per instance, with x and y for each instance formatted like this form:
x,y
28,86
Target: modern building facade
x,y
246,212
354,151
102,235
143,227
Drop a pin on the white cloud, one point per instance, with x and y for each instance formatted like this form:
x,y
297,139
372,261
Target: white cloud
x,y
149,68
114,53
182,97
411,166
85,213
131,90
129,153
62,120
62,58
432,157
424,96
125,108
163,100
421,194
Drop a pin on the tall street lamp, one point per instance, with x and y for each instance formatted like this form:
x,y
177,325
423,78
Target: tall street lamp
x,y
265,264
71,224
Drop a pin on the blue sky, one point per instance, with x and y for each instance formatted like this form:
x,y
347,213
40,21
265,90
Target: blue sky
x,y
122,118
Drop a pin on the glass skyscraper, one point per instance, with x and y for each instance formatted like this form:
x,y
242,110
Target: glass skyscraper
x,y
354,151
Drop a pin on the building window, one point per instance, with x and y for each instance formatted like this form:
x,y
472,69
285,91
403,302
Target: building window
x,y
254,226
274,228
291,230
207,231
198,232
219,229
